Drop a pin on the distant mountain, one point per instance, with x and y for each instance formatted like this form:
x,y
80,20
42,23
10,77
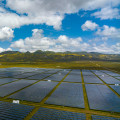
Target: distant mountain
x,y
9,52
39,55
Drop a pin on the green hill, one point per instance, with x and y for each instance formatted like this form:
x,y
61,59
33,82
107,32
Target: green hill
x,y
38,56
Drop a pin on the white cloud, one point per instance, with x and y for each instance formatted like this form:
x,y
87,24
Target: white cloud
x,y
6,33
109,32
13,20
105,48
3,50
50,12
107,13
70,6
89,25
63,43
116,48
39,42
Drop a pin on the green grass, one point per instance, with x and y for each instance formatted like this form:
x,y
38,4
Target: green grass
x,y
66,65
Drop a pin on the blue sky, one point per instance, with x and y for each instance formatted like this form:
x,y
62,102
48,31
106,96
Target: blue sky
x,y
69,25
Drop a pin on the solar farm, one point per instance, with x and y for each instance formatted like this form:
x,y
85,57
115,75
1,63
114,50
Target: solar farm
x,y
59,94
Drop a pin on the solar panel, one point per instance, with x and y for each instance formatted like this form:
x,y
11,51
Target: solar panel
x,y
116,88
118,78
14,86
57,77
110,80
6,80
91,79
3,72
75,72
99,73
102,98
39,76
87,72
35,92
52,114
112,73
10,74
96,117
25,75
10,111
73,78
67,94
64,72
51,71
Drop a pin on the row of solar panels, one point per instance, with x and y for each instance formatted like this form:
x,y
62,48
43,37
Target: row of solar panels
x,y
11,72
69,78
100,97
10,111
74,91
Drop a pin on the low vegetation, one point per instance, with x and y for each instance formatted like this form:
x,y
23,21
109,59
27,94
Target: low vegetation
x,y
67,60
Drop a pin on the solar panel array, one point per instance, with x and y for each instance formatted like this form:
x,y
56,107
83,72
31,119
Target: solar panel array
x,y
118,78
35,92
67,94
110,80
111,73
6,80
59,94
87,72
10,111
14,86
39,76
96,117
116,87
91,79
74,76
100,97
57,77
52,114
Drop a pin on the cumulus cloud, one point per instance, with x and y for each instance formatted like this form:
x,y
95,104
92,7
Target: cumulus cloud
x,y
6,33
14,20
110,32
46,11
105,32
89,25
70,6
61,44
107,13
105,48
39,42
3,50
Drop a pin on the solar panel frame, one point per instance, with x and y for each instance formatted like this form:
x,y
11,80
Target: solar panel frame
x,y
91,79
14,111
39,76
52,114
99,73
97,117
36,92
116,88
56,77
72,95
14,86
100,97
112,73
110,80
87,72
118,78
73,78
6,80
25,75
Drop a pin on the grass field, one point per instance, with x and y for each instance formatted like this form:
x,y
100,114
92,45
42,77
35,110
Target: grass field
x,y
114,66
